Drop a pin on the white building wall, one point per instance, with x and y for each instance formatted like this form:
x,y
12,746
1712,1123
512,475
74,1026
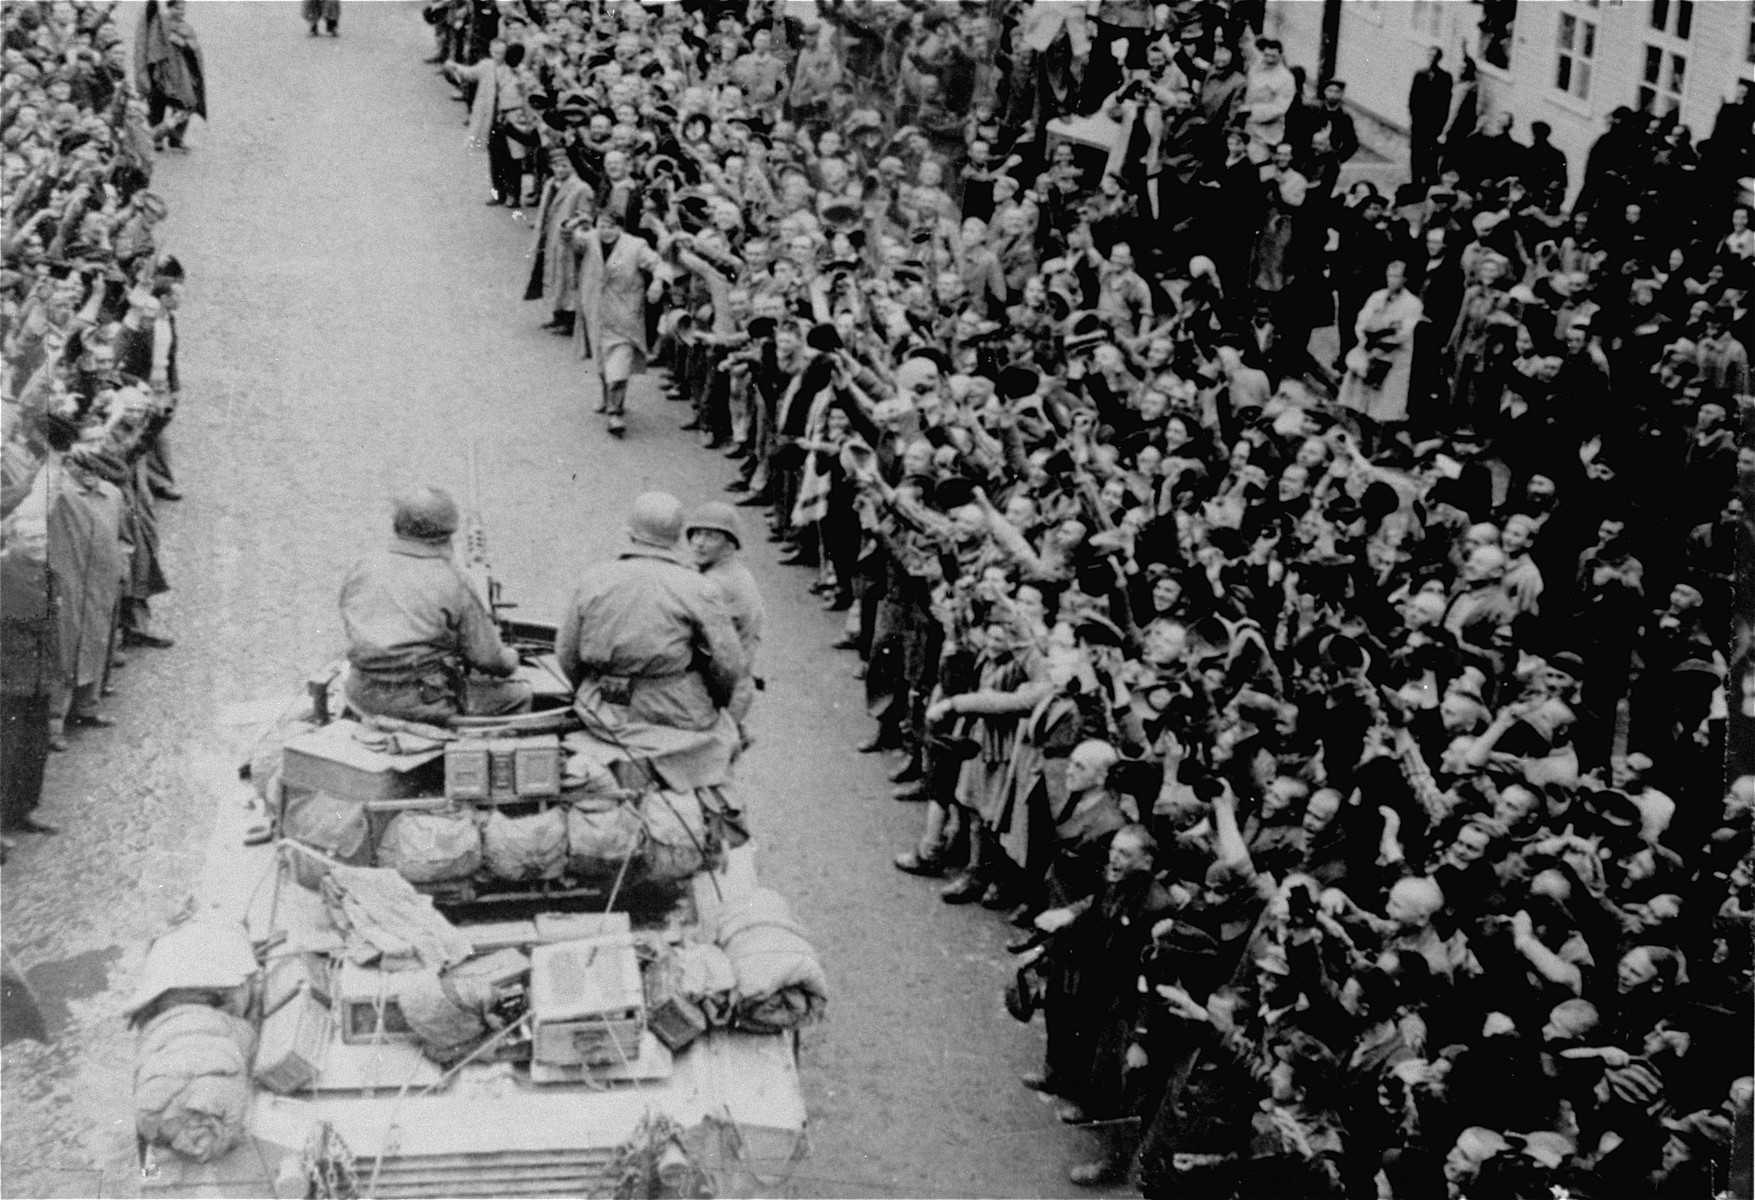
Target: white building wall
x,y
1383,42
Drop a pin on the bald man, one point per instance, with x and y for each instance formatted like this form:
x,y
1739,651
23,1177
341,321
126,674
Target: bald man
x,y
1083,829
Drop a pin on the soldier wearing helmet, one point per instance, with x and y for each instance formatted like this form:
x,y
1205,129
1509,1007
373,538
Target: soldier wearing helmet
x,y
650,648
714,540
416,630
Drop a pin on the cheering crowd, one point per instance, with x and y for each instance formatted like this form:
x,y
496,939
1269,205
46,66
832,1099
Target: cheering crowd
x,y
88,335
1355,726
1346,738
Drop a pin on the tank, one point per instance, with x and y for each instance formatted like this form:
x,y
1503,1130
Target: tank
x,y
602,1066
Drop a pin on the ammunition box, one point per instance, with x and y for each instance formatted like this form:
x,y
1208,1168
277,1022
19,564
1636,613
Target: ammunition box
x,y
466,770
332,761
294,1039
587,1003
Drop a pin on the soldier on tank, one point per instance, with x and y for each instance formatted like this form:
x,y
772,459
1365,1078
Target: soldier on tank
x,y
715,539
652,651
422,644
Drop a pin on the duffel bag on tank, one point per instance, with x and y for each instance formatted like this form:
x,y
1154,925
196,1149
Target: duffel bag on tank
x,y
601,839
431,847
518,849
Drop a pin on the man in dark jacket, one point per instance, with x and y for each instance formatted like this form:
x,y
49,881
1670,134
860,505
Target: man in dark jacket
x,y
1545,171
27,638
1428,109
1331,114
1093,1002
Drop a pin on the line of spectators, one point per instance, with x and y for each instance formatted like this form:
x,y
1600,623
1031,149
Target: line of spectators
x,y
88,381
1346,738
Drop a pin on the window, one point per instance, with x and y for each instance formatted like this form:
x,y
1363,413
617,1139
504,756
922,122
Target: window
x,y
1575,48
1426,17
1664,81
1676,18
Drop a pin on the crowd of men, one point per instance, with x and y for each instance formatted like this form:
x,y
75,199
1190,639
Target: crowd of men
x,y
1346,731
1345,725
88,363
1347,738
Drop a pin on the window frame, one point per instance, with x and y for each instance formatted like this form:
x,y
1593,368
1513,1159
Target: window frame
x,y
1666,87
1575,58
1673,19
1423,15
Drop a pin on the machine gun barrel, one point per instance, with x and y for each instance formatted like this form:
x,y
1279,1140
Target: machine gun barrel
x,y
475,554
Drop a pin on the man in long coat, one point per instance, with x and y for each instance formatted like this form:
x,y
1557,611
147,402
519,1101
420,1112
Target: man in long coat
x,y
1428,109
1380,366
168,68
554,266
88,567
619,274
27,642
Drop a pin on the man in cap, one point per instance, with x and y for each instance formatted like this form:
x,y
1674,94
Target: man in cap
x,y
654,655
416,628
134,238
714,541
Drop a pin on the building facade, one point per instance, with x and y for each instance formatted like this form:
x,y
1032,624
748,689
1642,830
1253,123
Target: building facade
x,y
1566,62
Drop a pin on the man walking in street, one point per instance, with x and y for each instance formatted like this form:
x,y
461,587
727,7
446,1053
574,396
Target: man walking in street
x,y
654,655
416,628
619,275
328,12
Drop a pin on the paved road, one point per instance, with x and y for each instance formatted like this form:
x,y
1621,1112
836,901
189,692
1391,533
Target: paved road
x,y
352,324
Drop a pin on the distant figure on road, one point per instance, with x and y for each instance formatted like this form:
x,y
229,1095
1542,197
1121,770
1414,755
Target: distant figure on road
x,y
168,68
326,11
1428,110
653,654
416,629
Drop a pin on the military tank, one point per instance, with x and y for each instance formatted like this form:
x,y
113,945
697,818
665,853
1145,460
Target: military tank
x,y
494,958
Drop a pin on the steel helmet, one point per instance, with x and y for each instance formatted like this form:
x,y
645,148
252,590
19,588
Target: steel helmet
x,y
656,520
207,953
716,514
426,514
